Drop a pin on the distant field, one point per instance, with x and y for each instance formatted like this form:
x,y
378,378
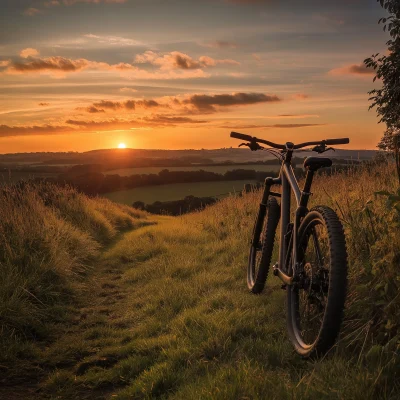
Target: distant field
x,y
219,169
176,191
13,176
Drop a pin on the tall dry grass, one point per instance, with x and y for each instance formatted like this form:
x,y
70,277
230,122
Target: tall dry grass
x,y
372,226
48,236
188,328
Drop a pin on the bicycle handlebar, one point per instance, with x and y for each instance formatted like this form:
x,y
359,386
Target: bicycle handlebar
x,y
241,136
328,142
331,142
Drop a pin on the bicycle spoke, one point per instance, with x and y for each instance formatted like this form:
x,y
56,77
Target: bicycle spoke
x,y
311,297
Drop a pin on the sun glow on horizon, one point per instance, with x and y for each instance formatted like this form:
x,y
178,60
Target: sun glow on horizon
x,y
122,146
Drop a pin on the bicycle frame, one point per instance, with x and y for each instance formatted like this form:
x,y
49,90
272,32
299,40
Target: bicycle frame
x,y
288,233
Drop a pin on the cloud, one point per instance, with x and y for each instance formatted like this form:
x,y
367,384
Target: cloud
x,y
77,126
94,110
50,64
29,52
221,44
114,40
290,126
292,116
178,60
167,120
157,120
113,105
248,1
31,12
353,69
127,105
5,63
278,126
328,19
60,66
128,90
71,2
9,131
44,104
300,96
54,3
208,103
195,104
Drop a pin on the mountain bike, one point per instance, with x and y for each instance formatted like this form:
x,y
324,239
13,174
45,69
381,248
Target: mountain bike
x,y
312,262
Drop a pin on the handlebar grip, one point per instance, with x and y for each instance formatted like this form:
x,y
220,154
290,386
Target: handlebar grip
x,y
330,142
241,136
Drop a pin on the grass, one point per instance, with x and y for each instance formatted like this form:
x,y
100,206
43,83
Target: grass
x,y
169,316
175,191
50,236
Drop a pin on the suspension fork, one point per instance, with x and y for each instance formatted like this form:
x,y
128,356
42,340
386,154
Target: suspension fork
x,y
269,182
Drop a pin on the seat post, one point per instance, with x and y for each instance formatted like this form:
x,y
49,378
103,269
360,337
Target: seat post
x,y
307,188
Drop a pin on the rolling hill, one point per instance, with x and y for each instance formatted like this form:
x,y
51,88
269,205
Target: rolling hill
x,y
161,309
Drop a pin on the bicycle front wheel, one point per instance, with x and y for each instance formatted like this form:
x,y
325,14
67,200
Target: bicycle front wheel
x,y
261,250
316,301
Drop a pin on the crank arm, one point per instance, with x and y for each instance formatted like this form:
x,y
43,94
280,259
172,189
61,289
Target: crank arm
x,y
286,279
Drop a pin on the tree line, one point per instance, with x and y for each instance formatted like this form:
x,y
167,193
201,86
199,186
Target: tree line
x,y
87,178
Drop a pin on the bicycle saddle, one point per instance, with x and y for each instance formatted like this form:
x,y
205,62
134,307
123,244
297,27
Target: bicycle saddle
x,y
314,163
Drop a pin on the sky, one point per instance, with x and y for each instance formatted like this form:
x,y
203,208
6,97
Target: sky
x,y
77,75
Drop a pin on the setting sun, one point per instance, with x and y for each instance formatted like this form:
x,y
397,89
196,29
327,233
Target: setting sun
x,y
122,146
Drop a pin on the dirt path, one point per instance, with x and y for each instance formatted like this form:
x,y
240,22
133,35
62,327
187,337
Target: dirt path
x,y
88,340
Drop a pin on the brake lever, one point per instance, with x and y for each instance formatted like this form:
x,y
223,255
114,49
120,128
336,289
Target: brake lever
x,y
253,146
322,148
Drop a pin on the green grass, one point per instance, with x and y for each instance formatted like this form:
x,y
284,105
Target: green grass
x,y
218,169
49,238
168,314
176,191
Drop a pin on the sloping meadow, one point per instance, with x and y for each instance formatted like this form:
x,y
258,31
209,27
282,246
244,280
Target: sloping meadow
x,y
188,328
49,235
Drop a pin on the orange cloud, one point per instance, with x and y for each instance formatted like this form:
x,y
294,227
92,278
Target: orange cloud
x,y
157,120
94,110
221,44
59,66
128,90
54,3
178,60
301,96
353,69
74,126
114,40
48,64
31,12
9,131
71,2
278,126
127,105
29,52
208,103
191,104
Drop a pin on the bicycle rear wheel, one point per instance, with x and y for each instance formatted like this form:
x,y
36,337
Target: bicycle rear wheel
x,y
316,302
261,250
